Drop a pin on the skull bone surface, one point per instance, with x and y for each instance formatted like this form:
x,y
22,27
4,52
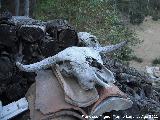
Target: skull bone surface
x,y
84,63
87,39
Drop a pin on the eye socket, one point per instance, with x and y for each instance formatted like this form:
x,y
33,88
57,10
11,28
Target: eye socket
x,y
90,81
92,39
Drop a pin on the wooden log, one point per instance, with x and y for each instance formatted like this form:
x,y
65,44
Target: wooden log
x,y
31,33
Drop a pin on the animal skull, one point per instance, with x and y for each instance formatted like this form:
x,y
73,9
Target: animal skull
x,y
78,61
86,39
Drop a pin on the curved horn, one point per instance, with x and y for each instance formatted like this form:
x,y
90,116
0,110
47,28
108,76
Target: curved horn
x,y
46,63
111,48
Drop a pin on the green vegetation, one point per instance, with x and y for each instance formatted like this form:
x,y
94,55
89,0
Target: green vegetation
x,y
156,61
100,17
137,59
136,10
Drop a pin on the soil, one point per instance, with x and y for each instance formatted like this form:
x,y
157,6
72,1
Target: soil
x,y
149,49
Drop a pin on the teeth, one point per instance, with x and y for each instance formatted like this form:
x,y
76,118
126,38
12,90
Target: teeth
x,y
105,75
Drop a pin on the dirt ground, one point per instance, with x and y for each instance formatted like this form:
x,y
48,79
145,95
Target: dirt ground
x,y
149,49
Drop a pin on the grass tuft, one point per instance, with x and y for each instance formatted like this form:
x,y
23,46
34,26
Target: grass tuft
x,y
156,61
137,59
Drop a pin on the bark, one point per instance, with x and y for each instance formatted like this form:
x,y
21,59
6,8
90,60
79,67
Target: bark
x,y
17,6
26,8
0,4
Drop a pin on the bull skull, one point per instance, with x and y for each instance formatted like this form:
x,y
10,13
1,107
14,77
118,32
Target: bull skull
x,y
79,61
